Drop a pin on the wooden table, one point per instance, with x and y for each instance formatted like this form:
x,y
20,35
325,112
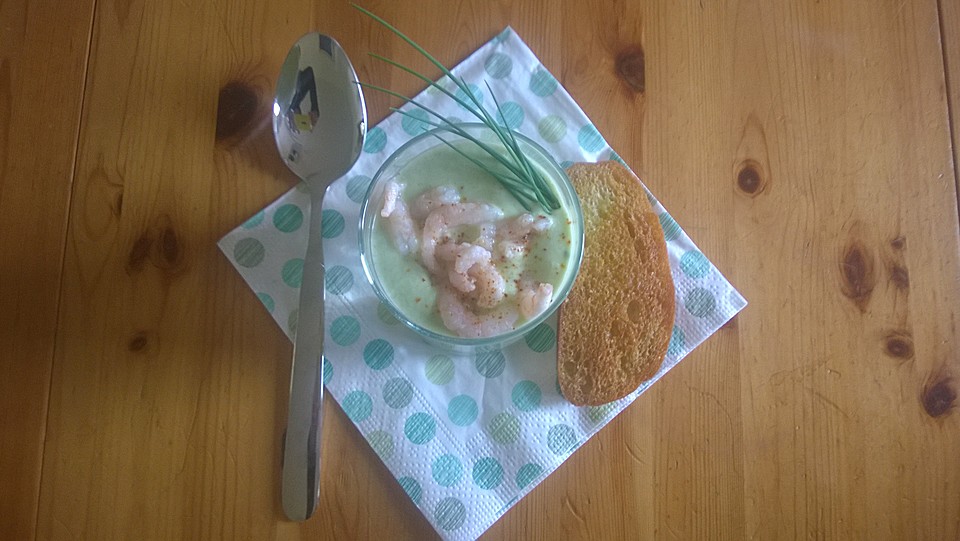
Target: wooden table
x,y
809,147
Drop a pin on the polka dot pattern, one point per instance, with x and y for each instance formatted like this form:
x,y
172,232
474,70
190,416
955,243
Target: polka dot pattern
x,y
510,115
357,187
439,369
357,405
254,220
589,139
676,341
375,141
541,339
694,264
542,83
378,354
331,224
338,279
498,66
700,302
382,443
490,363
561,439
412,488
267,301
292,273
345,330
450,514
414,121
248,252
671,230
487,473
462,410
397,393
504,428
447,470
527,473
420,428
288,218
526,395
552,128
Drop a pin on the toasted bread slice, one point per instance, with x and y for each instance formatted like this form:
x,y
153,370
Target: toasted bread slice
x,y
617,321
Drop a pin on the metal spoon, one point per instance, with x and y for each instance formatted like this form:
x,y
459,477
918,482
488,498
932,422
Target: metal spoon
x,y
319,123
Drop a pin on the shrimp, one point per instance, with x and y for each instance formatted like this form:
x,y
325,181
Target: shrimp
x,y
446,216
459,319
466,258
487,236
534,301
490,284
402,229
513,235
429,200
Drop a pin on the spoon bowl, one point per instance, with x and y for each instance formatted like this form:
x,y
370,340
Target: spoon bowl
x,y
319,124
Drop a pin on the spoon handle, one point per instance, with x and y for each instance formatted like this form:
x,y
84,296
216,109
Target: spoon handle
x,y
301,451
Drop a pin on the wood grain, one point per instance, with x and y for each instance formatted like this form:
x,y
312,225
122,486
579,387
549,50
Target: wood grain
x,y
806,147
950,41
43,53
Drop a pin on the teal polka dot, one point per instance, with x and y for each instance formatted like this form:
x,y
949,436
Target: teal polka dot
x,y
357,405
541,338
677,340
450,514
447,470
542,82
414,121
248,252
412,488
671,230
327,370
527,473
694,264
474,91
385,315
439,369
526,395
490,362
382,443
498,65
376,140
357,188
288,218
599,413
267,301
504,428
378,354
420,428
331,224
700,302
552,128
462,410
561,439
510,115
589,138
292,272
503,36
345,330
292,318
254,220
397,393
487,473
338,279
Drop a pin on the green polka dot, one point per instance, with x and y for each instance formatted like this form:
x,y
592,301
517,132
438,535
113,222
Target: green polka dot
x,y
378,354
700,302
345,330
248,252
671,230
462,410
357,405
450,514
385,315
288,218
254,220
561,439
490,362
541,338
552,128
327,370
292,272
599,413
474,91
504,428
542,83
412,488
527,473
526,395
447,470
510,115
397,393
414,121
382,443
487,473
292,318
331,224
338,279
694,264
439,369
420,428
375,141
589,138
498,65
267,301
357,188
677,340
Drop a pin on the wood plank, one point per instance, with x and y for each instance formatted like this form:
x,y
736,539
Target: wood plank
x,y
950,41
43,52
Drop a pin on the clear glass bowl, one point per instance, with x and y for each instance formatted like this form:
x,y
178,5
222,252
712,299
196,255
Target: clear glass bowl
x,y
399,163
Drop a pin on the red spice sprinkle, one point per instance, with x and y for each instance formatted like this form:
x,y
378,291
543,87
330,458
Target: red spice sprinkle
x,y
418,299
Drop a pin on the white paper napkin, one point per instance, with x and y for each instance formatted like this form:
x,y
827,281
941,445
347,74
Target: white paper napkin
x,y
466,436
